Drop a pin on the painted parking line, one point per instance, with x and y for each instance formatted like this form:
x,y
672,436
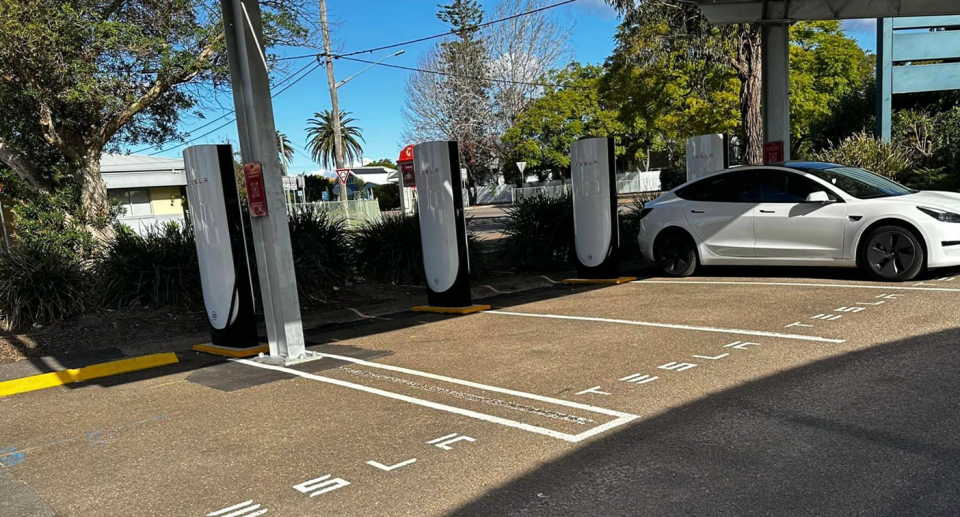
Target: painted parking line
x,y
718,330
798,284
621,418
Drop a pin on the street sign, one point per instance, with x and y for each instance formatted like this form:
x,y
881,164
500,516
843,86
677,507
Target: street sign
x,y
773,152
343,174
256,195
522,166
289,182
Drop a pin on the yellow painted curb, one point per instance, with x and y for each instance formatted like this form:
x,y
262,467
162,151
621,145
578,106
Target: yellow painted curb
x,y
94,371
232,352
611,281
451,310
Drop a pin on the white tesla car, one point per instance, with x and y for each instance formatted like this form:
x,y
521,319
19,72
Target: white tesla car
x,y
802,214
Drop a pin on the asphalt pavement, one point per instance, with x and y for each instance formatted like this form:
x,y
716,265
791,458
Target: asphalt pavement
x,y
715,395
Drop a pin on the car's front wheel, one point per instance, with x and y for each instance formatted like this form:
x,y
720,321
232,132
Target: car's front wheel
x,y
677,254
893,253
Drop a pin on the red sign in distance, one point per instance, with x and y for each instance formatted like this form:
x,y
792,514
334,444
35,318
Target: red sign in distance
x,y
343,174
256,195
405,163
773,152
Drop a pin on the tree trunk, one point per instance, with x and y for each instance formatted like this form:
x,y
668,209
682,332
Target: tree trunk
x,y
751,92
93,196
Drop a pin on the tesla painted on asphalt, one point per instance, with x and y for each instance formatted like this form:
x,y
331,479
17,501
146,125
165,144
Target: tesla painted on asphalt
x,y
802,214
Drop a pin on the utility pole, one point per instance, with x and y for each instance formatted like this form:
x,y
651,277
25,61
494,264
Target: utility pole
x,y
334,102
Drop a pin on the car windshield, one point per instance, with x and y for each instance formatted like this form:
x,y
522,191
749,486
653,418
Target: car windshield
x,y
860,183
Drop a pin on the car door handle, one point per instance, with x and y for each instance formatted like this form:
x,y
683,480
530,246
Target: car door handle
x,y
768,212
696,211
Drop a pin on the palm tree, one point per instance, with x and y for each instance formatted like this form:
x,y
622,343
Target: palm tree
x,y
285,148
320,139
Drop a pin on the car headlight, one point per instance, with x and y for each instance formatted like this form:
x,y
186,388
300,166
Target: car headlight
x,y
940,215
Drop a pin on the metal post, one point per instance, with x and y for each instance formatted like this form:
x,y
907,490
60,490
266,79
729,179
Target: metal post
x,y
258,143
775,66
3,223
884,78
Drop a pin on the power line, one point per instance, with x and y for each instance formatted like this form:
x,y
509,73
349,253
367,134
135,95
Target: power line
x,y
218,128
435,36
450,74
227,114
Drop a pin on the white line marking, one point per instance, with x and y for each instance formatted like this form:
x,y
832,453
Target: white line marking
x,y
321,485
243,509
595,389
744,345
230,509
479,386
445,444
721,356
799,284
827,317
442,438
386,468
881,302
796,324
675,366
674,326
623,418
638,378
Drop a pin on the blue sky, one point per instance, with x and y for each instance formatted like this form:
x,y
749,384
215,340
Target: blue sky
x,y
376,97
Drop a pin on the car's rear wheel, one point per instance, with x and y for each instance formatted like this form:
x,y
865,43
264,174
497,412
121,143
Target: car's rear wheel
x,y
893,253
677,254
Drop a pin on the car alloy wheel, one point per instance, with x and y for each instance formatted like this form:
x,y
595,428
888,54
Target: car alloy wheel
x,y
893,253
676,256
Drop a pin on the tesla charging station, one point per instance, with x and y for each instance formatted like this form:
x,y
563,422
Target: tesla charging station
x,y
224,270
707,154
443,229
595,222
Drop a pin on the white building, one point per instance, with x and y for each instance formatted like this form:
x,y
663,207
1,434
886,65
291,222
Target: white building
x,y
372,177
150,189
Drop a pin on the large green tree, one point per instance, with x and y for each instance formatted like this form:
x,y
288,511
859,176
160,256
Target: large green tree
x,y
571,109
826,68
673,37
82,77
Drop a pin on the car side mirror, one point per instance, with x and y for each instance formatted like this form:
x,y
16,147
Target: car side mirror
x,y
818,197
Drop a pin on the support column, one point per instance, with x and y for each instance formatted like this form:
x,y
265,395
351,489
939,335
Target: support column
x,y
884,78
775,101
258,143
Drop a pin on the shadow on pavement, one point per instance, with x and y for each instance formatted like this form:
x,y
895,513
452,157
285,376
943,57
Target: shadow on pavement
x,y
874,432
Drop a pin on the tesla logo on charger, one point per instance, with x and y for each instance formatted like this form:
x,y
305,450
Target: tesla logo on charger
x,y
428,170
587,163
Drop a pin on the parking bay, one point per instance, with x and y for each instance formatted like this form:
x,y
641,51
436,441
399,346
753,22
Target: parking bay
x,y
477,402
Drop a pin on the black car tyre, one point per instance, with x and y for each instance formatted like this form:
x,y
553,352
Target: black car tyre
x,y
893,254
677,254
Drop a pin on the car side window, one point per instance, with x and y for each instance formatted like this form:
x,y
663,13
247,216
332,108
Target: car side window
x,y
730,187
786,187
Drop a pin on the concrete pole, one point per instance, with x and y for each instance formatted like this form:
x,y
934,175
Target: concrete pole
x,y
775,66
258,143
334,100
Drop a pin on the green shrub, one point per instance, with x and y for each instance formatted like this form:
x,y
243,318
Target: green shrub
x,y
629,229
389,250
321,252
388,196
157,269
862,150
672,177
42,282
539,233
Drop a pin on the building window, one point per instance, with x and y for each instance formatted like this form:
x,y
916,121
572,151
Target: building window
x,y
135,202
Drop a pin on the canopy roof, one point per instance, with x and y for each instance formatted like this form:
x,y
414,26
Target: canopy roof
x,y
740,11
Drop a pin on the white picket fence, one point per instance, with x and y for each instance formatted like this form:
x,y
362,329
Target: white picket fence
x,y
627,183
354,213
